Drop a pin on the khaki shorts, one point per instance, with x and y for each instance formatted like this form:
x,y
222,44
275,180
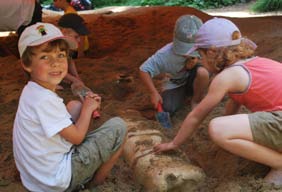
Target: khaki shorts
x,y
96,149
267,128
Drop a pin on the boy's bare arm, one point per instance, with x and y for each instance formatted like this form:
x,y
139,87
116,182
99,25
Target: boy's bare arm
x,y
80,50
76,133
155,96
72,68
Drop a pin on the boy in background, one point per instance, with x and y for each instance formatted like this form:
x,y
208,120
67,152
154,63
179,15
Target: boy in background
x,y
52,147
65,5
72,25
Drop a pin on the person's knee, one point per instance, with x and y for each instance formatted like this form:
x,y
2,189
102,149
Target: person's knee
x,y
74,108
119,125
216,131
74,104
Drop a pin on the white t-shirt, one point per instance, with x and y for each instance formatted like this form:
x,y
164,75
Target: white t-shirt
x,y
42,156
14,13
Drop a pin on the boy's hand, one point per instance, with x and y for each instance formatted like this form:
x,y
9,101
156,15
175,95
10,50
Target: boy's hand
x,y
92,101
155,99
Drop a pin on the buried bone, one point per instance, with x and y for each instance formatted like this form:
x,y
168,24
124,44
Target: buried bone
x,y
162,172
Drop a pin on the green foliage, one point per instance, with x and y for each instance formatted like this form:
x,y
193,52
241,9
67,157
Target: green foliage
x,y
46,2
200,4
267,5
104,3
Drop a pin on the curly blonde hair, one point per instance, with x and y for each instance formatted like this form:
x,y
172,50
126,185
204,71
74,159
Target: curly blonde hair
x,y
225,56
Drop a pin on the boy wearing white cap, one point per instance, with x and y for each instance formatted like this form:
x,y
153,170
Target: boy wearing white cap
x,y
254,82
52,149
186,76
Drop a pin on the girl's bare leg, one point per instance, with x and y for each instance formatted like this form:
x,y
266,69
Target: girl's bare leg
x,y
233,133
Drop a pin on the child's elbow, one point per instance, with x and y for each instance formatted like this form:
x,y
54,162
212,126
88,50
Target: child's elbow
x,y
77,141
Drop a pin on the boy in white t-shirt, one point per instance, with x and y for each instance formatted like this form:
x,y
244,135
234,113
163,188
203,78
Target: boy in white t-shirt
x,y
52,149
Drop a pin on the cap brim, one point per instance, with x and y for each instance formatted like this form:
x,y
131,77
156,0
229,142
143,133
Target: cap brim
x,y
192,51
181,48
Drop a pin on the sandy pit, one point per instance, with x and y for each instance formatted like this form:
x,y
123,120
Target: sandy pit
x,y
120,42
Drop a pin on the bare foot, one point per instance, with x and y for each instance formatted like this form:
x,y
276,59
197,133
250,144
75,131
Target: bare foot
x,y
274,176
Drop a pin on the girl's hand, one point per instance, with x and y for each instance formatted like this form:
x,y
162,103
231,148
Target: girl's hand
x,y
164,147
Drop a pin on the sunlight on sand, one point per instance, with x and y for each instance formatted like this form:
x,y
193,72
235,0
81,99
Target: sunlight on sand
x,y
232,11
242,14
239,10
113,9
105,10
6,33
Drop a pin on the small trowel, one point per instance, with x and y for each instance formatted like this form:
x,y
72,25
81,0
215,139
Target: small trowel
x,y
163,117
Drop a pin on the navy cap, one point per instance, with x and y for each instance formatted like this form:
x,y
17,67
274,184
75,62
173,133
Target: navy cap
x,y
75,22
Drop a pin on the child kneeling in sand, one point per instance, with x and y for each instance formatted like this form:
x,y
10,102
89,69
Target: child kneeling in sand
x,y
187,77
52,149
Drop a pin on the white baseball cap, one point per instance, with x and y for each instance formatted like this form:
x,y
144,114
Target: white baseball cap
x,y
217,32
40,33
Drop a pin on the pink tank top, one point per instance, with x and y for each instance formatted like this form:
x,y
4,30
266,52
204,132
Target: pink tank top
x,y
264,92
